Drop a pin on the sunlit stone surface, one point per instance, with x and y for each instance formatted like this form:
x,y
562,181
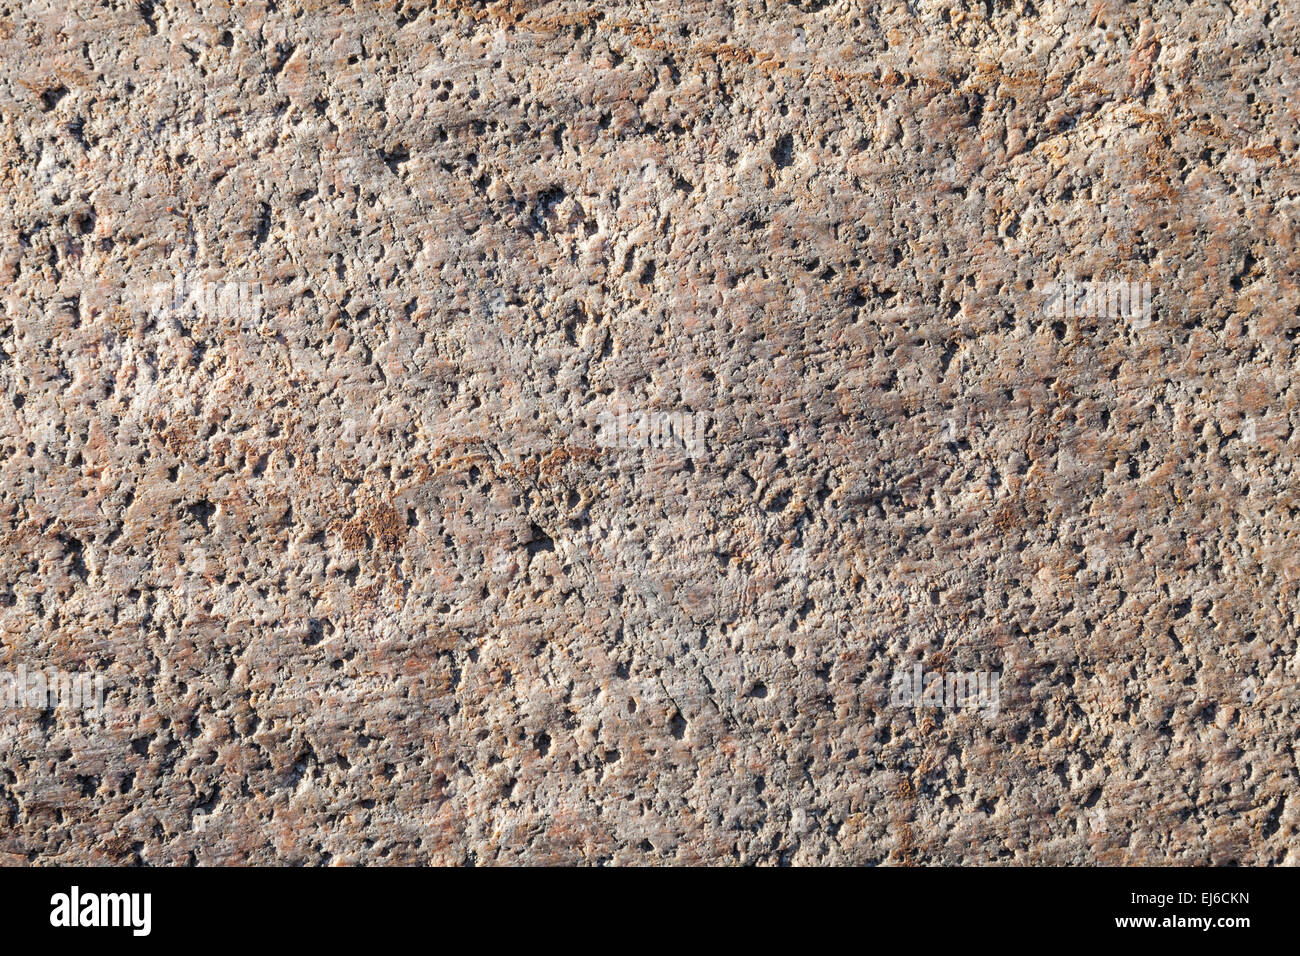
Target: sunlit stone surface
x,y
567,433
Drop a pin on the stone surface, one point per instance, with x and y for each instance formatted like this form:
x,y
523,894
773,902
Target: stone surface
x,y
410,554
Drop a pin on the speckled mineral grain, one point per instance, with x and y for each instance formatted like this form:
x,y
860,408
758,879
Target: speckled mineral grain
x,y
697,432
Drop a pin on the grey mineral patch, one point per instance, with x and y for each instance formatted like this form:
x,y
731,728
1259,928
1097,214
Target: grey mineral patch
x,y
623,433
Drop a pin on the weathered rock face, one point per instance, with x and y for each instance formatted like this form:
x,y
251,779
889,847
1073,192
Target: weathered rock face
x,y
551,432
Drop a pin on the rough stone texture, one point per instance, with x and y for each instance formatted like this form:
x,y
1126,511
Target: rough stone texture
x,y
366,584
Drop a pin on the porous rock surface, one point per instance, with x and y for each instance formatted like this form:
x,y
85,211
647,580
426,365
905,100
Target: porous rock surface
x,y
366,585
